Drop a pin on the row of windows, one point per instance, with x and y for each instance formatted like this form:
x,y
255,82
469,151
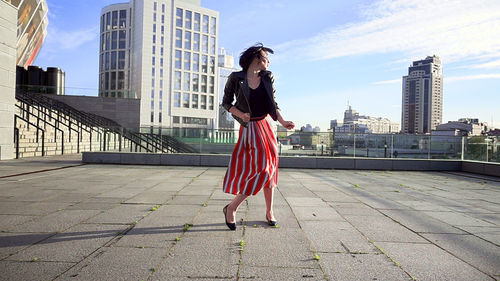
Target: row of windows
x,y
188,21
194,41
113,80
111,20
194,101
113,40
112,60
195,59
191,82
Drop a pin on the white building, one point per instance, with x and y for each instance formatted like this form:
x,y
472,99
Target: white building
x,y
422,106
360,124
163,52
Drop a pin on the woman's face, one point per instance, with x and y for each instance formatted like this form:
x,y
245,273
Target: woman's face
x,y
263,60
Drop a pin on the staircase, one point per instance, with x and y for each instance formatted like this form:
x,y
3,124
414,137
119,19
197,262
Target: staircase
x,y
44,126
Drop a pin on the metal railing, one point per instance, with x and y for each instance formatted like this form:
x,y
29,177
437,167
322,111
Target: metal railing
x,y
328,144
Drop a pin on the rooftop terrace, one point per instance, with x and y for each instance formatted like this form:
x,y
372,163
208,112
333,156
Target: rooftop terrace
x,y
66,220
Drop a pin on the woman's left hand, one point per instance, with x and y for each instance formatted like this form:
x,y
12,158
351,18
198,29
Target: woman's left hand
x,y
288,124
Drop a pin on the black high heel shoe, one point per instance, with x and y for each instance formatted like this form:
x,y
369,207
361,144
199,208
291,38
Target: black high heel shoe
x,y
271,222
231,226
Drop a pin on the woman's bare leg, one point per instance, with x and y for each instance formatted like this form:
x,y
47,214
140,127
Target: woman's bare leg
x,y
268,195
233,207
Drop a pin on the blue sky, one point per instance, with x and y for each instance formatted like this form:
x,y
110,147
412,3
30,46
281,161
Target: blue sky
x,y
328,54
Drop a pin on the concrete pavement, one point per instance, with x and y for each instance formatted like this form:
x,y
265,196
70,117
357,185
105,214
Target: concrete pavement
x,y
61,220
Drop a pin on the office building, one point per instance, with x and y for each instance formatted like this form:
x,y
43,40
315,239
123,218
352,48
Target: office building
x,y
164,53
422,105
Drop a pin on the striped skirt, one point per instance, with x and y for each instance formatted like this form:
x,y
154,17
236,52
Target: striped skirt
x,y
254,163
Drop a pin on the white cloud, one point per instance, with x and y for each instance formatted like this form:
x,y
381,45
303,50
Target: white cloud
x,y
70,39
472,77
385,82
452,29
491,64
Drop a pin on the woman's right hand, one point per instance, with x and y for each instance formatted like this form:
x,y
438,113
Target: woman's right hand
x,y
245,117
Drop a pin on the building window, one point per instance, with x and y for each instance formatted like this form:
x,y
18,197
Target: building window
x,y
196,42
203,104
161,105
177,99
205,24
154,39
154,50
211,103
177,80
163,8
114,40
159,117
152,105
187,81
185,100
108,40
213,26
115,20
211,84
187,60
196,62
195,82
204,44
175,119
121,60
113,60
178,63
154,6
121,80
188,19
204,63
194,101
152,82
108,21
187,40
122,39
152,116
178,38
203,83
212,65
178,17
113,80
197,21
161,94
123,18
162,30
212,45
152,94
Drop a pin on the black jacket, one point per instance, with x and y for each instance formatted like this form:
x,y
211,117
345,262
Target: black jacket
x,y
237,86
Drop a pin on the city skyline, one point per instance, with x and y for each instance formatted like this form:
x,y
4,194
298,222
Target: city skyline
x,y
337,53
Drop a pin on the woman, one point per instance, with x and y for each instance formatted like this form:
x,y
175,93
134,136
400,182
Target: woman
x,y
254,163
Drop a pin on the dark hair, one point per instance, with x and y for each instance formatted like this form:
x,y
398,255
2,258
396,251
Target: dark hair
x,y
249,54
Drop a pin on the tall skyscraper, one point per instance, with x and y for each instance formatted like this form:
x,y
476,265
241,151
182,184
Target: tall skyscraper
x,y
422,107
163,52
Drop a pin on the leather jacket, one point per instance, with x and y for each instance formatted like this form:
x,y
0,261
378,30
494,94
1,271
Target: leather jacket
x,y
237,86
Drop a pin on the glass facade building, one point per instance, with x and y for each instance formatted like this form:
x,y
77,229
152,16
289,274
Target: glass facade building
x,y
164,53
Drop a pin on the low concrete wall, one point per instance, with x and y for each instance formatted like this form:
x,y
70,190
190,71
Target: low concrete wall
x,y
218,160
490,169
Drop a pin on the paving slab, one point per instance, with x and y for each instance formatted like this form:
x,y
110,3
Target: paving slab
x,y
471,249
361,267
280,273
36,271
429,262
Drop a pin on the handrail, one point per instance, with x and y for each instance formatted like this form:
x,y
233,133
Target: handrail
x,y
32,124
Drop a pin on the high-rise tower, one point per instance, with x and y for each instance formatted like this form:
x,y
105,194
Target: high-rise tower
x,y
163,52
422,107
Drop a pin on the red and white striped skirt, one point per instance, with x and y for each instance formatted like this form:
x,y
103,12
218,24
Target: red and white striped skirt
x,y
254,163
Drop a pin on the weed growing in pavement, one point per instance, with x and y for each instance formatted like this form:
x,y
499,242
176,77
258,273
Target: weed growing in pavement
x,y
154,208
316,257
187,226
